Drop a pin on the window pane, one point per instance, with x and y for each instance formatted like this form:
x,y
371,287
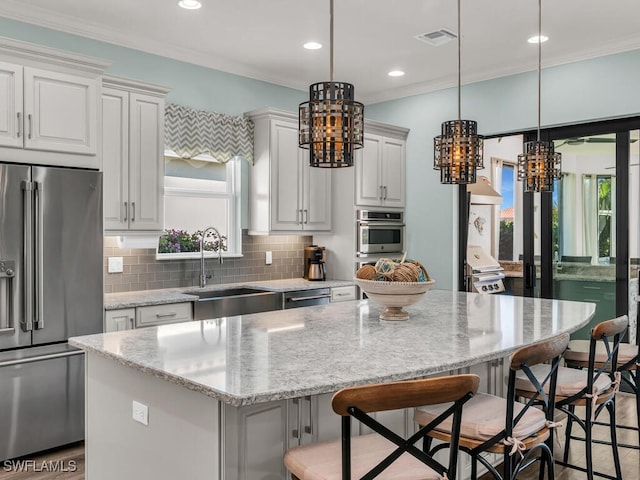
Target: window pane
x,y
507,213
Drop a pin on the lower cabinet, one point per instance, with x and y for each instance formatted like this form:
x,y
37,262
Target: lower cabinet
x,y
128,318
116,320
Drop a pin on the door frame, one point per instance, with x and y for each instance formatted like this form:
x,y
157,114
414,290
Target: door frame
x,y
621,128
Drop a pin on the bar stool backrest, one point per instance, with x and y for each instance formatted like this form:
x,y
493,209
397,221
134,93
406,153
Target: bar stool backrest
x,y
359,402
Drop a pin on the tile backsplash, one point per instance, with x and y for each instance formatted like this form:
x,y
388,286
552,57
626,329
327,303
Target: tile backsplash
x,y
141,270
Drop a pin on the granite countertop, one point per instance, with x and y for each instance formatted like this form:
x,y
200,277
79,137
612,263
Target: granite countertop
x,y
116,301
269,356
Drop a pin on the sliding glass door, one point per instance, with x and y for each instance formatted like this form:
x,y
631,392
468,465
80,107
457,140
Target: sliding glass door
x,y
581,241
580,236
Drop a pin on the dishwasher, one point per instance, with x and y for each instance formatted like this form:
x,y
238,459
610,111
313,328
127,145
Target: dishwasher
x,y
305,298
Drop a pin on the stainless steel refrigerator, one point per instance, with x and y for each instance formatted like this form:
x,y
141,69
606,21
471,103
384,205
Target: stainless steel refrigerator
x,y
50,290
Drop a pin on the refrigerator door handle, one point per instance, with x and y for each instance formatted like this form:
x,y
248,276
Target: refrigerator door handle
x,y
40,358
7,318
27,218
39,262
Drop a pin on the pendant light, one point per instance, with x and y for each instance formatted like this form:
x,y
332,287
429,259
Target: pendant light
x,y
331,122
539,165
458,150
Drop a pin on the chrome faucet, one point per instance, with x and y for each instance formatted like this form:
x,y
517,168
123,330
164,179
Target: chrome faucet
x,y
203,275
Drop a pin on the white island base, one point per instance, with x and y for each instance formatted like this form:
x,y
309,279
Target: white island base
x,y
226,398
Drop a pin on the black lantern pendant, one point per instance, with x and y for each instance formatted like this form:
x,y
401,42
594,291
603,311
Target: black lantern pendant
x,y
331,123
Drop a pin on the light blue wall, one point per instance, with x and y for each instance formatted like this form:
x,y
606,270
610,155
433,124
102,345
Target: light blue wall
x,y
191,85
600,88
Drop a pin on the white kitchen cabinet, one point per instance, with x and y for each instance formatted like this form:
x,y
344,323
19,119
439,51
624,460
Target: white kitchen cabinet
x,y
147,316
257,436
286,195
117,320
343,294
153,315
133,156
49,105
380,168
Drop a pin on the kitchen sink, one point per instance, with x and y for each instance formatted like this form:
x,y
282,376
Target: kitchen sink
x,y
235,301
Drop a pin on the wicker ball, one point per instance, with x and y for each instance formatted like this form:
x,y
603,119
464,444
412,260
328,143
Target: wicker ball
x,y
385,268
367,272
406,272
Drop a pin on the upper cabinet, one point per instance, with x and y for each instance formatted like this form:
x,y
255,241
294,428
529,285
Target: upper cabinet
x,y
133,156
49,105
286,195
381,166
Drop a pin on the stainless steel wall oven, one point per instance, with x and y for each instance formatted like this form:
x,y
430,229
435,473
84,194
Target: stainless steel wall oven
x,y
380,231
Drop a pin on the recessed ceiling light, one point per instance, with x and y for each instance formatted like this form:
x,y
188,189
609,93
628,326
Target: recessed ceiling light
x,y
395,73
536,39
312,45
190,4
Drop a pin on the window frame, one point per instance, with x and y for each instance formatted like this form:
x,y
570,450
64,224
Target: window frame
x,y
233,192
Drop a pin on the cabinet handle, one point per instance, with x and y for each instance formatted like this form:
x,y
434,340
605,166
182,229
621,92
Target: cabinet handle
x,y
309,428
588,287
166,315
131,321
380,188
299,217
385,193
306,216
295,433
126,210
29,122
19,125
133,211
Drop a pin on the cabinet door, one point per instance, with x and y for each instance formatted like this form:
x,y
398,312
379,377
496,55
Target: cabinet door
x,y
61,112
163,314
146,162
368,175
115,158
286,175
316,188
393,172
10,105
255,440
116,320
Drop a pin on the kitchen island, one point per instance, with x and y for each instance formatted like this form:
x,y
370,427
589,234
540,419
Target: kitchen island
x,y
226,397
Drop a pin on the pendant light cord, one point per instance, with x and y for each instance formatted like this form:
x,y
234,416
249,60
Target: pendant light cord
x,y
539,64
459,75
331,41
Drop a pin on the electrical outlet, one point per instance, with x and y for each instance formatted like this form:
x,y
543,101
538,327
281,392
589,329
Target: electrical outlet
x,y
115,265
269,257
140,413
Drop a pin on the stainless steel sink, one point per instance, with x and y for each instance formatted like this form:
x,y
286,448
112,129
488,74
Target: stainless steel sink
x,y
235,301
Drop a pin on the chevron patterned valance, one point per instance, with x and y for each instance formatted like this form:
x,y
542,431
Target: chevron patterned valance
x,y
189,132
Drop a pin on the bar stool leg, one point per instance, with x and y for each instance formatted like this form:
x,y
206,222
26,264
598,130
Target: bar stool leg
x,y
611,407
567,434
588,427
636,391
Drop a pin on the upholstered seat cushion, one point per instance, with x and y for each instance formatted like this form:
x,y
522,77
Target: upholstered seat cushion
x,y
570,380
322,461
483,417
578,350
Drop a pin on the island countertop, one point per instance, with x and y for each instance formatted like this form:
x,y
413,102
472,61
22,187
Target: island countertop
x,y
277,355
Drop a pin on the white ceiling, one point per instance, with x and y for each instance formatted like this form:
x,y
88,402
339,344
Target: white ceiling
x,y
263,39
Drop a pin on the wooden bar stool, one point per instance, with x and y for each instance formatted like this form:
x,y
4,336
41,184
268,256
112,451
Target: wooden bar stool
x,y
383,454
515,430
594,389
577,356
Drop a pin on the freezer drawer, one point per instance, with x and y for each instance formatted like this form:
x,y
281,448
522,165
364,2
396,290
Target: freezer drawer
x,y
41,399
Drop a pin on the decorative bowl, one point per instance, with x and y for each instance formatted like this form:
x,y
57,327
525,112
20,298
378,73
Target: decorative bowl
x,y
394,295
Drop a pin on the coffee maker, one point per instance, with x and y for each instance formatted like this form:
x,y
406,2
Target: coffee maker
x,y
314,263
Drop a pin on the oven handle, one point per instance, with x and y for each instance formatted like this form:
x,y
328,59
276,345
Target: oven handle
x,y
385,223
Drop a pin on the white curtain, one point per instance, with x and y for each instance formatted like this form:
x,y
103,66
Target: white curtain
x,y
570,211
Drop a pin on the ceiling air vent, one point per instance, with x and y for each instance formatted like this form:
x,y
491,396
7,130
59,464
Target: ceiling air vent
x,y
437,38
